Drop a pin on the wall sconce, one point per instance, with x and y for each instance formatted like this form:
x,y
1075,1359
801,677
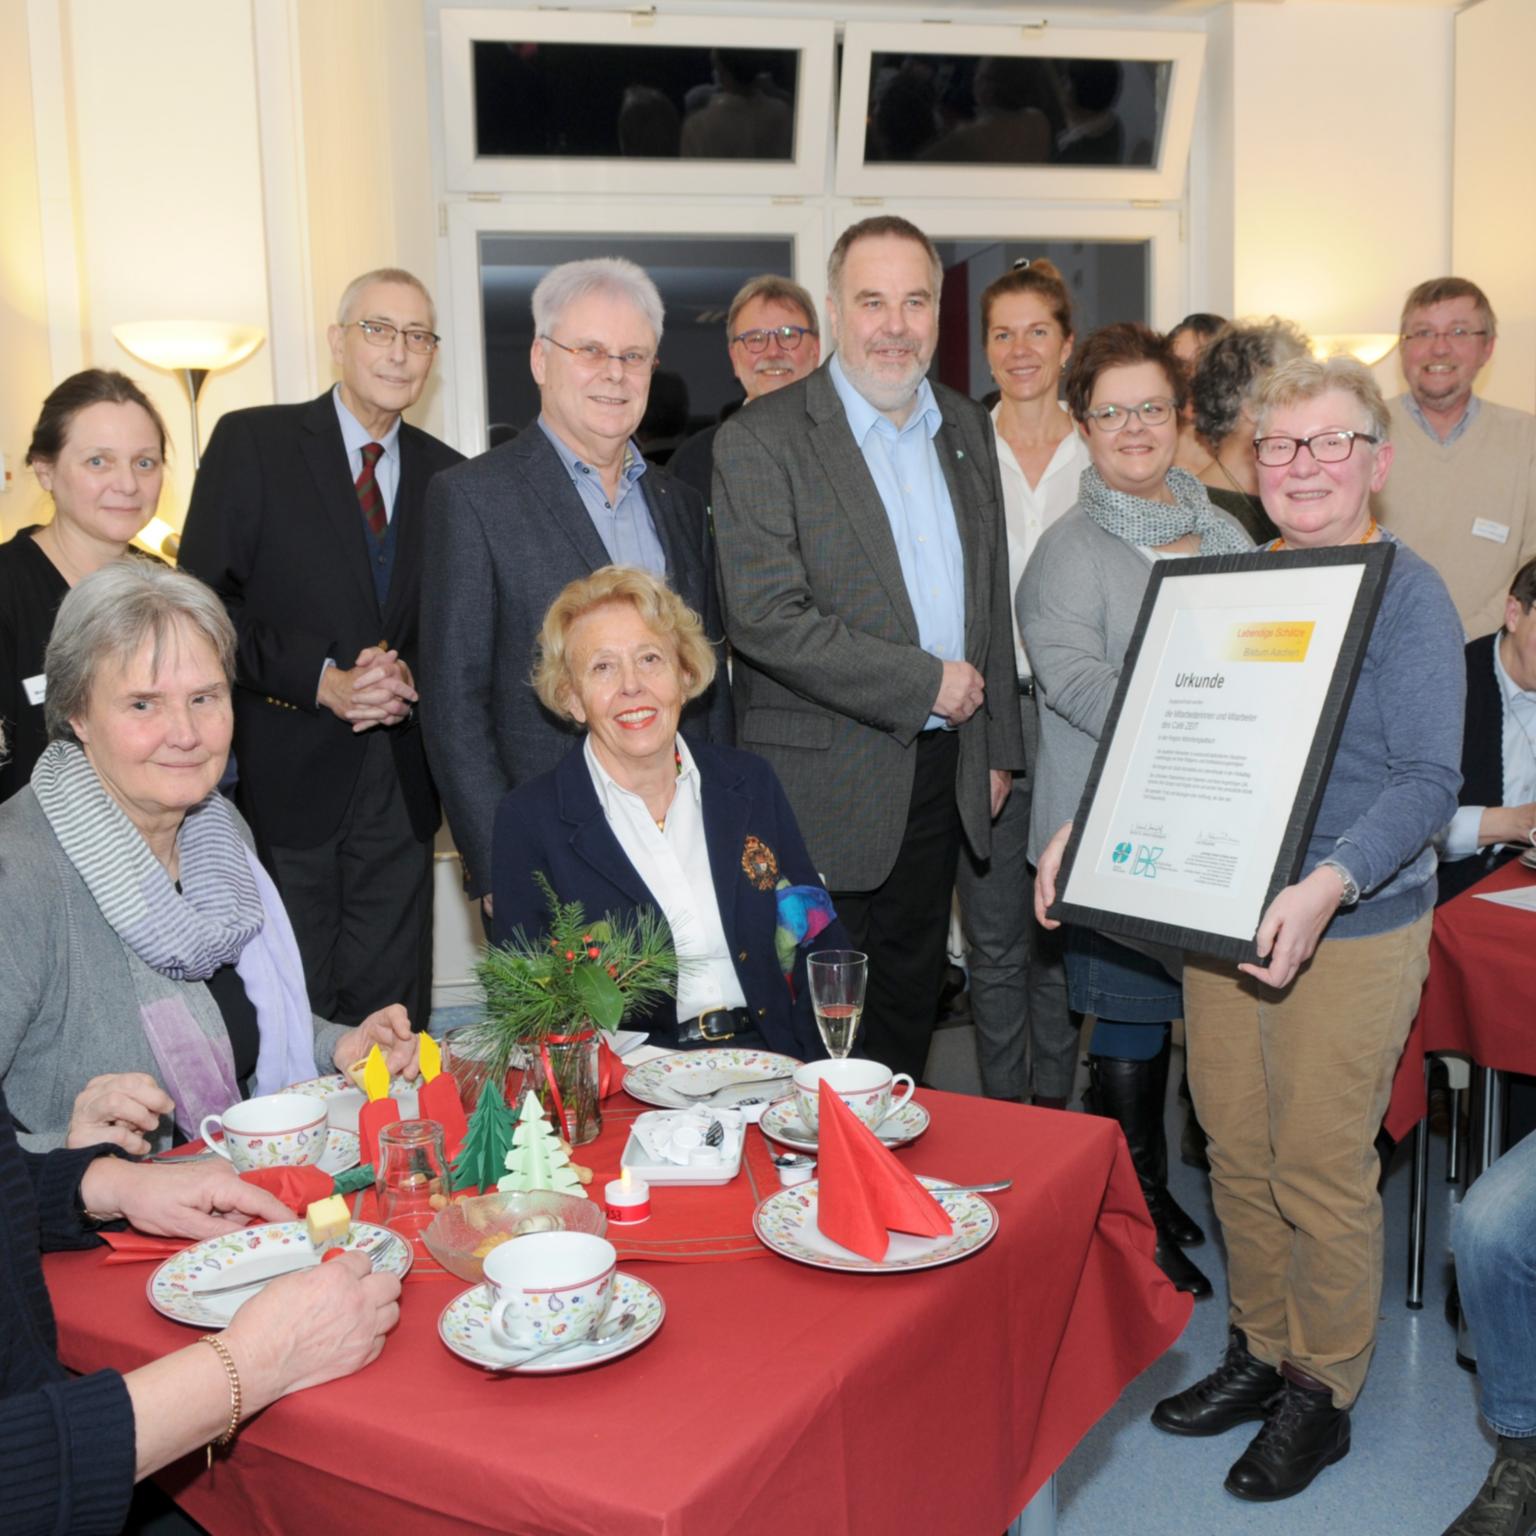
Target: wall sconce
x,y
1369,347
192,348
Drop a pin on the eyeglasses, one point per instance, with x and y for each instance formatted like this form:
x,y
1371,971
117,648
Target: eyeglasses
x,y
380,333
1325,447
1456,335
590,355
1111,418
789,337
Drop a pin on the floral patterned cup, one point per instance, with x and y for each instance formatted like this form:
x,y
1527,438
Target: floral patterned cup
x,y
864,1086
548,1288
278,1130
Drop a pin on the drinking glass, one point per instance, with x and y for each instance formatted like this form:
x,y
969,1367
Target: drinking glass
x,y
837,978
412,1176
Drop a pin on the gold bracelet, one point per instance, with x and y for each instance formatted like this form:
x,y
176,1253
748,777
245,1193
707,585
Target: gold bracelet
x,y
221,1349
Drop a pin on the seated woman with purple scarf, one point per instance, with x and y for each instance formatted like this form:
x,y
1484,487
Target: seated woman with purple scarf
x,y
151,975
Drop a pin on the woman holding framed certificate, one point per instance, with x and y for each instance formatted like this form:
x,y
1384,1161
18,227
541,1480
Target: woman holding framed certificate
x,y
1077,607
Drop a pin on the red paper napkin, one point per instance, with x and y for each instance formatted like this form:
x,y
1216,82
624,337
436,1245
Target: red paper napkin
x,y
439,1100
610,1069
297,1188
137,1247
863,1194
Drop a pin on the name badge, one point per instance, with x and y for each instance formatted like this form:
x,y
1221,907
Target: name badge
x,y
1486,528
37,688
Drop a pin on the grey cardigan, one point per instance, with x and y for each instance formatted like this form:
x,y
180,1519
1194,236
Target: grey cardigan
x,y
68,1009
1077,605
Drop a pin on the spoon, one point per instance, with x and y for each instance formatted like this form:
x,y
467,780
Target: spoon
x,y
609,1333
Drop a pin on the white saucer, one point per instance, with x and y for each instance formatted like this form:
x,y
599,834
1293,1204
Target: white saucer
x,y
781,1120
786,1222
341,1151
1528,858
464,1328
343,1101
219,1260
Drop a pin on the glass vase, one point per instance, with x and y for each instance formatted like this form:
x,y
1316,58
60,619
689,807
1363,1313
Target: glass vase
x,y
563,1072
471,1067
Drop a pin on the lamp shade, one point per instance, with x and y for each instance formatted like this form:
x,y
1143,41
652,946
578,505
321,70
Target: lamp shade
x,y
205,345
1368,347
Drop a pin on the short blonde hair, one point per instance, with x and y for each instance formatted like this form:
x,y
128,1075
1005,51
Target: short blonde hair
x,y
664,612
1304,378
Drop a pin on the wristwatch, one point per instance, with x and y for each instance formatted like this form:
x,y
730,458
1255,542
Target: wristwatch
x,y
1351,892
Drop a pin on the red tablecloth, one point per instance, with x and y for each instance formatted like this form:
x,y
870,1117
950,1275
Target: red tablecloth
x,y
1478,996
775,1397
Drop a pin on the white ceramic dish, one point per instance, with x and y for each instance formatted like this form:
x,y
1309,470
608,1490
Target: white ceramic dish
x,y
343,1101
781,1120
701,1072
639,1161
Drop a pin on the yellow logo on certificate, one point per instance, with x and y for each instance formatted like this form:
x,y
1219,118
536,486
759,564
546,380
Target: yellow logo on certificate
x,y
1270,640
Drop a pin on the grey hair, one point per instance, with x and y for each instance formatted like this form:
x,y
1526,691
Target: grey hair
x,y
573,281
109,616
354,291
1304,378
1233,365
774,290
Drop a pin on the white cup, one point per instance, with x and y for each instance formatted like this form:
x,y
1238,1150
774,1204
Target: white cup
x,y
549,1288
866,1087
278,1130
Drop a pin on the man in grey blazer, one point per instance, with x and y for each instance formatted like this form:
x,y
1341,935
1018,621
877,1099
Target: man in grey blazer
x,y
508,530
864,573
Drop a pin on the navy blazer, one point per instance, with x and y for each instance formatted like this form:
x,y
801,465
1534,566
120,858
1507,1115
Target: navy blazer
x,y
555,824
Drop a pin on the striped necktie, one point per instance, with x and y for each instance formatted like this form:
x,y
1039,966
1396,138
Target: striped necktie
x,y
369,497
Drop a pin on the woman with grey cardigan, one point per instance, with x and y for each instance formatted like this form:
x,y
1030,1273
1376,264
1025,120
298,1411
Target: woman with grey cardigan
x,y
1077,607
152,977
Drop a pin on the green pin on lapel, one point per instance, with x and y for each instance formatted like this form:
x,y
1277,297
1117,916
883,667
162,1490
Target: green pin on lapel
x,y
959,453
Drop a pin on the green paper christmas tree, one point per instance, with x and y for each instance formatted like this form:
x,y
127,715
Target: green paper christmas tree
x,y
484,1152
536,1159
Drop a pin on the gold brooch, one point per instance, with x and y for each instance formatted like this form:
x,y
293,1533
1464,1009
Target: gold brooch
x,y
759,865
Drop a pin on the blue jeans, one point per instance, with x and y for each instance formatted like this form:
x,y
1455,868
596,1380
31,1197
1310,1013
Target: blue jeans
x,y
1131,997
1494,1236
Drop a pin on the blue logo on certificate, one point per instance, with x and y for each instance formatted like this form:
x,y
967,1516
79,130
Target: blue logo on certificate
x,y
1146,861
1122,853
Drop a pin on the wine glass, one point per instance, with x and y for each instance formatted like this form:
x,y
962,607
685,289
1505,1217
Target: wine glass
x,y
838,978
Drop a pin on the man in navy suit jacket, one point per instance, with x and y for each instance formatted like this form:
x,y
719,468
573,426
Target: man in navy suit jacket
x,y
308,521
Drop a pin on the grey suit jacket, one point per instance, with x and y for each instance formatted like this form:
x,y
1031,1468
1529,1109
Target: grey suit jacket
x,y
831,684
505,533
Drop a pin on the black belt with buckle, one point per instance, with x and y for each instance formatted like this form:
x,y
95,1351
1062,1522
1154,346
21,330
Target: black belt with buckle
x,y
716,1024
1026,687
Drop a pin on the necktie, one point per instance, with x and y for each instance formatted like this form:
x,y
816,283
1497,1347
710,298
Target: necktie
x,y
369,497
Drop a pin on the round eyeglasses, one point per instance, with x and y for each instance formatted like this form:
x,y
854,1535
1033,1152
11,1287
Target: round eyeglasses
x,y
590,355
380,333
1325,447
787,336
1111,418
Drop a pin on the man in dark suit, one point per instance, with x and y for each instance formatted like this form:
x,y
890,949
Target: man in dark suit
x,y
864,573
308,521
569,494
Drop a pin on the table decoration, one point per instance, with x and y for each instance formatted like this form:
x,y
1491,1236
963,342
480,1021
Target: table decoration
x,y
439,1095
464,1327
487,1140
627,1199
380,1110
551,997
702,1072
537,1158
781,1121
256,1251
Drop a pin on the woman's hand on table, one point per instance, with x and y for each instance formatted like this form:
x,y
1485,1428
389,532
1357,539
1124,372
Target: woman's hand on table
x,y
120,1108
390,1030
196,1200
1293,926
314,1326
1046,872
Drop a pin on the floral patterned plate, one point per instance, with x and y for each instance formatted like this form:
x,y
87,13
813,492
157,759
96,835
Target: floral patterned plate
x,y
786,1222
781,1120
701,1071
343,1100
463,1327
259,1251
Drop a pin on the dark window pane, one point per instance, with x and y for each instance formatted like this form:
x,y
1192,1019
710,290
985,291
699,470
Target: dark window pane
x,y
1011,110
1108,280
612,100
698,276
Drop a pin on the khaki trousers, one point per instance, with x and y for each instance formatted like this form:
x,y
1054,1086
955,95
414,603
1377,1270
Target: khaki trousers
x,y
1291,1087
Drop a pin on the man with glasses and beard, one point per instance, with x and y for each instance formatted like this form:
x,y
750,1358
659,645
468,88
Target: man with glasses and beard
x,y
864,573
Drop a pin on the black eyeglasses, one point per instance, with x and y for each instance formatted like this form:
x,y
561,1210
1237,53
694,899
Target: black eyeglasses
x,y
1325,447
789,337
380,333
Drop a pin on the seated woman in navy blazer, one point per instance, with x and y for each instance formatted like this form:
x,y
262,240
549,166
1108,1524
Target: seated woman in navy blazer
x,y
639,815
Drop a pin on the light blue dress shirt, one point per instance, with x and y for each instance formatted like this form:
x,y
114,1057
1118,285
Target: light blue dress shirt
x,y
356,436
624,525
904,463
1468,416
1519,743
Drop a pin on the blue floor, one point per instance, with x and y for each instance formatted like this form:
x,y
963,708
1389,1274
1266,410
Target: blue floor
x,y
1419,1452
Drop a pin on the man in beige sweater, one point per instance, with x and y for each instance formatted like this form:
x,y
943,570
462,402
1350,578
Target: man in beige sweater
x,y
1463,490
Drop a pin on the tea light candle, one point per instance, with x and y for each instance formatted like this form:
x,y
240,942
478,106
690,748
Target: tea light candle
x,y
627,1199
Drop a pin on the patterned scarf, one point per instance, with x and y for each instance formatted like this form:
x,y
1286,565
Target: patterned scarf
x,y
226,912
1154,523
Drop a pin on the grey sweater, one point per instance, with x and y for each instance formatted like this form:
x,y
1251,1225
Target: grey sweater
x,y
68,1009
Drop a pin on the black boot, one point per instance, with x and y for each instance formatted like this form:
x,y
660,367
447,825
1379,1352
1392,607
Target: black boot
x,y
1236,1392
1303,1433
1131,1093
1506,1503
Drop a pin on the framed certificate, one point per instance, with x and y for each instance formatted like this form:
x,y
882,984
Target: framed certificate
x,y
1207,779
